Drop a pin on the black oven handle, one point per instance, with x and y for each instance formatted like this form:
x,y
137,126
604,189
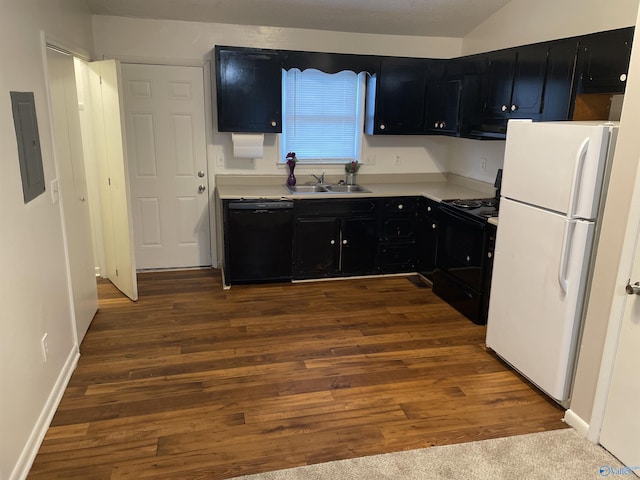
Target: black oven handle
x,y
461,218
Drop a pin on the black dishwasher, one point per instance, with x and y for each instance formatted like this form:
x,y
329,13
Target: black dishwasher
x,y
258,240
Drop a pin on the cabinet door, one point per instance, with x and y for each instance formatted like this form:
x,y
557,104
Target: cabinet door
x,y
249,90
358,238
604,61
399,97
499,82
316,247
443,104
428,241
528,82
558,88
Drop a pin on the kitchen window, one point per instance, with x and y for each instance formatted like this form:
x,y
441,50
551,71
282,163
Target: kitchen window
x,y
323,115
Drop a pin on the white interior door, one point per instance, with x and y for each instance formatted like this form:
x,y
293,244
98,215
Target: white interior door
x,y
621,425
165,125
114,192
73,188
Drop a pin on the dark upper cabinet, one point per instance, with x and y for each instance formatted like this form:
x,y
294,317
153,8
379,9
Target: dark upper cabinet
x,y
603,61
249,90
396,97
559,83
443,106
515,82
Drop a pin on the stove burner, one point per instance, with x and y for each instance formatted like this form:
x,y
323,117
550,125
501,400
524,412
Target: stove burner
x,y
489,202
488,213
467,203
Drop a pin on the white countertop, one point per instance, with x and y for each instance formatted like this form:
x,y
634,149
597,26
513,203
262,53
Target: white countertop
x,y
437,191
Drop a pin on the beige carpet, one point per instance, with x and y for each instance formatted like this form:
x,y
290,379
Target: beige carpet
x,y
557,455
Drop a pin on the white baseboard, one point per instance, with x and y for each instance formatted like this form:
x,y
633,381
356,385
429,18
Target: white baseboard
x,y
32,446
572,419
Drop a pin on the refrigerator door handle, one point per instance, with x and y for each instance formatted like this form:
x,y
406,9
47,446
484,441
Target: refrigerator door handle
x,y
577,177
565,253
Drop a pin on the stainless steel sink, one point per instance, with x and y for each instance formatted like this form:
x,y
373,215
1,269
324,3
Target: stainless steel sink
x,y
316,188
327,188
347,189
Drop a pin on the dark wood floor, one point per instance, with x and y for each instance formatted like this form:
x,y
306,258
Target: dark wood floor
x,y
197,382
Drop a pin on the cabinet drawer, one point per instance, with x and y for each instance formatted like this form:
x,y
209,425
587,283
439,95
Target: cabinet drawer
x,y
399,205
334,207
397,258
400,229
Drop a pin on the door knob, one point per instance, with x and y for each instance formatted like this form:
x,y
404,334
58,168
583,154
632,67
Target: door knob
x,y
201,188
632,289
200,173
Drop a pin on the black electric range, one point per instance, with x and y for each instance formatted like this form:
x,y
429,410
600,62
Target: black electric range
x,y
479,209
465,255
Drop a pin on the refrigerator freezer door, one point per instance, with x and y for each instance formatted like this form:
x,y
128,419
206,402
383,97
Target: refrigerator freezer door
x,y
556,165
533,323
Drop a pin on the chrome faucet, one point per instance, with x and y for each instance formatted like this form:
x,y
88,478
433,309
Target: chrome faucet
x,y
320,178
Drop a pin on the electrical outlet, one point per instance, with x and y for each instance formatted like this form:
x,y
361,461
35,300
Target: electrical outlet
x,y
45,347
397,159
483,164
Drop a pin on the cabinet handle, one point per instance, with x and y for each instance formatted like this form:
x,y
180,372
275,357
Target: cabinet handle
x,y
504,108
400,207
273,123
514,108
442,124
436,125
333,242
428,209
623,77
434,226
344,242
382,126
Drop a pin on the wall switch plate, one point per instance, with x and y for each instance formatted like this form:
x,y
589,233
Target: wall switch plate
x,y
397,159
483,164
220,162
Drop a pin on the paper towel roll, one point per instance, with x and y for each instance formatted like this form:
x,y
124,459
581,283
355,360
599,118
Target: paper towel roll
x,y
248,145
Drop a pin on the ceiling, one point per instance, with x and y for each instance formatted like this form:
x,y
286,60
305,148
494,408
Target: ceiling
x,y
437,18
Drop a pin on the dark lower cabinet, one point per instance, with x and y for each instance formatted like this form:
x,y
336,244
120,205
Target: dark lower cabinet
x,y
428,237
334,238
397,234
316,251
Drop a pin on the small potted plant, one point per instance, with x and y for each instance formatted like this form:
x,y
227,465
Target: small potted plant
x,y
291,162
351,168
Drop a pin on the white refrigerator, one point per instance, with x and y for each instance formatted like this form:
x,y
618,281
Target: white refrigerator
x,y
549,208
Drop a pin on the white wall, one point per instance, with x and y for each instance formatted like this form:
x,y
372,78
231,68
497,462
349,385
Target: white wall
x,y
521,22
34,291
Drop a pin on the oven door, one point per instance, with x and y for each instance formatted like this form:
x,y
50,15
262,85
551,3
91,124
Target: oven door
x,y
461,247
